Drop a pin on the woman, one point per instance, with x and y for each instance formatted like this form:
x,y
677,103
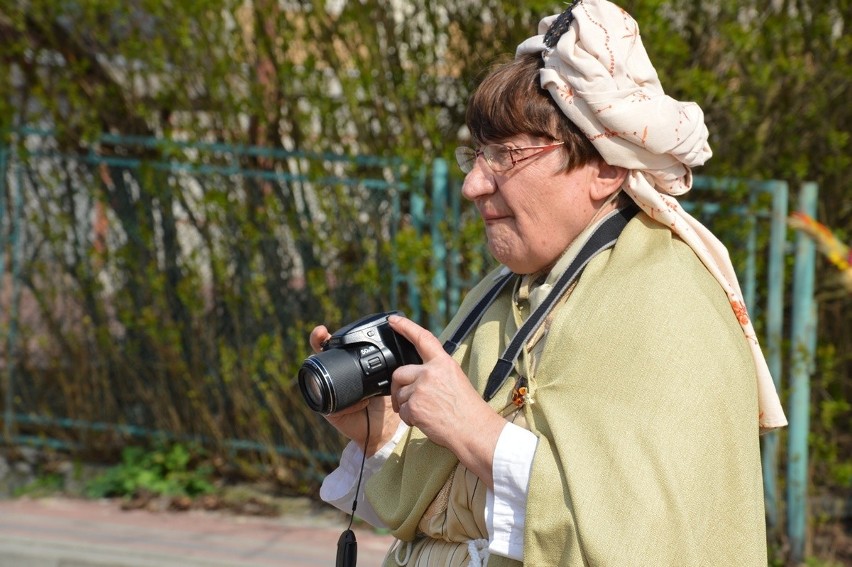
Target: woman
x,y
626,430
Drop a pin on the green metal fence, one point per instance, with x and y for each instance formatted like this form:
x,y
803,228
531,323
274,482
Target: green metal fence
x,y
141,272
261,243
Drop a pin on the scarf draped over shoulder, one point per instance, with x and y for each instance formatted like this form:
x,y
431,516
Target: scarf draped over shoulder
x,y
600,76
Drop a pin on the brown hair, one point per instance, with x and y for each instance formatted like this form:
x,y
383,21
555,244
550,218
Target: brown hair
x,y
510,101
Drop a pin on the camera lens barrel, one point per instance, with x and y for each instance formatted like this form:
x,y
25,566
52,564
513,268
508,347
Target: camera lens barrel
x,y
331,380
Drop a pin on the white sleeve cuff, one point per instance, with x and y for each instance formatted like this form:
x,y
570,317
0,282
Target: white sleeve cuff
x,y
506,505
338,488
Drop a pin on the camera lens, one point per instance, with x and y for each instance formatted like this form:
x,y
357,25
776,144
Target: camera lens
x,y
313,391
331,380
315,384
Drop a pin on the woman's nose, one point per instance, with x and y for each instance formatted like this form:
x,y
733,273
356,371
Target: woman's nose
x,y
479,181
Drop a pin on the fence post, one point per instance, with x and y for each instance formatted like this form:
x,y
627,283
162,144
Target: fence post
x,y
774,331
749,281
7,381
455,255
802,329
17,211
438,313
418,216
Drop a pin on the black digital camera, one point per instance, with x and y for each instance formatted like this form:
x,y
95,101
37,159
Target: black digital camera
x,y
356,363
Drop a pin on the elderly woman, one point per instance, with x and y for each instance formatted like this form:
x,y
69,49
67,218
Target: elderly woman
x,y
602,404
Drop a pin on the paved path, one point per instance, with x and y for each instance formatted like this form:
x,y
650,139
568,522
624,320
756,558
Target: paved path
x,y
57,532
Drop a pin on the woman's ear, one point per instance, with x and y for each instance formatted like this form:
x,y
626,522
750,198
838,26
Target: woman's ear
x,y
608,180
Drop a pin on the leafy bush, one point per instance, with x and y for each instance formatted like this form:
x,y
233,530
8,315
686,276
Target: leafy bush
x,y
44,485
165,470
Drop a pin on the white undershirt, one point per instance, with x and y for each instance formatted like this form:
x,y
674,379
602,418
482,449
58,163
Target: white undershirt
x,y
505,506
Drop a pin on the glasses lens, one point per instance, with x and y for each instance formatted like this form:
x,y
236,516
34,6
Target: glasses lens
x,y
465,157
499,157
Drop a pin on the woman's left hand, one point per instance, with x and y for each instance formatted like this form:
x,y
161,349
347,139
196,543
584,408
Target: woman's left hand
x,y
437,398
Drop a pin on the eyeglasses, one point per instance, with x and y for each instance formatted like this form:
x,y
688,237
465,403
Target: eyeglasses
x,y
499,157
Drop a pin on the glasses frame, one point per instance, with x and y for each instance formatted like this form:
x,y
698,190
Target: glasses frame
x,y
463,153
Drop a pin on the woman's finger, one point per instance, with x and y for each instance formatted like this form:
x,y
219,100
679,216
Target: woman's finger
x,y
427,344
319,335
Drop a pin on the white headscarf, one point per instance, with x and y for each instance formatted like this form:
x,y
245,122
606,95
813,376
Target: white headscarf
x,y
601,77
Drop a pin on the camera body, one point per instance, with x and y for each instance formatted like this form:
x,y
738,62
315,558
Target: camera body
x,y
356,363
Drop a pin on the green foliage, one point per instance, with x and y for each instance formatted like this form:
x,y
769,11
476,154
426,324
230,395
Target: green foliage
x,y
44,485
829,437
168,470
816,562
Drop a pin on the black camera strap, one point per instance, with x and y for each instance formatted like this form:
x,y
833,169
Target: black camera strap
x,y
347,545
602,238
472,318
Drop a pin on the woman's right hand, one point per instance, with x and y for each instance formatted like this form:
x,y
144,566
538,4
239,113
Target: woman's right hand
x,y
351,421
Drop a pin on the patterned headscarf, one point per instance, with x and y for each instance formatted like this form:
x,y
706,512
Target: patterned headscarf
x,y
597,71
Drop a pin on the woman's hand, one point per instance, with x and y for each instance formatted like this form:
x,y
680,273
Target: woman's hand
x,y
438,398
351,421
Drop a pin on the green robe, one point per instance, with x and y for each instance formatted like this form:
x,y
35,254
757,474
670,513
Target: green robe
x,y
645,406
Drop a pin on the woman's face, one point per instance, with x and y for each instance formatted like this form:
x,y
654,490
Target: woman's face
x,y
533,211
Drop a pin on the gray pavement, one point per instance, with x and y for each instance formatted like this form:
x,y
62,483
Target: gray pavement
x,y
60,532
